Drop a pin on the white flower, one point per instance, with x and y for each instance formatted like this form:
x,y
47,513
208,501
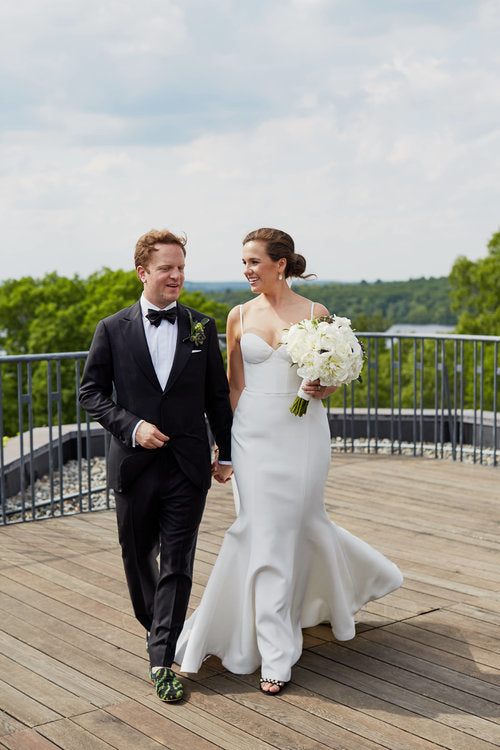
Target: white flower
x,y
325,349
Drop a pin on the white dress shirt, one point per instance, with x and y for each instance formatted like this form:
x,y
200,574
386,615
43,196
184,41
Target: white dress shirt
x,y
161,341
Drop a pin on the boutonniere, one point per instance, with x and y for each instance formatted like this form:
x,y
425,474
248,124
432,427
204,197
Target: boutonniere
x,y
197,330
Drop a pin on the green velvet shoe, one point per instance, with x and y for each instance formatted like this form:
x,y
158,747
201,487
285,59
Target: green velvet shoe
x,y
168,686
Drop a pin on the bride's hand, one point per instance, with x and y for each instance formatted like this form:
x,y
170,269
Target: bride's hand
x,y
222,472
315,390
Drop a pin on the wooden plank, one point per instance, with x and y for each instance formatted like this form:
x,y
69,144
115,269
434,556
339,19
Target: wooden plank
x,y
41,689
444,724
86,604
117,733
477,632
262,717
22,707
97,563
55,542
78,586
450,639
488,663
369,661
158,727
381,707
412,583
8,724
349,715
218,731
109,652
74,570
68,736
477,613
427,660
65,614
28,739
76,658
52,669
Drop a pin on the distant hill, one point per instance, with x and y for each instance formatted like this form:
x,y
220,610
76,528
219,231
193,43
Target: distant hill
x,y
214,286
371,306
222,286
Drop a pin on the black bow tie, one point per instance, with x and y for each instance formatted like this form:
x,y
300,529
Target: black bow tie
x,y
156,316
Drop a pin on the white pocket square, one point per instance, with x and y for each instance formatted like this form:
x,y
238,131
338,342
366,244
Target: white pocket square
x,y
195,351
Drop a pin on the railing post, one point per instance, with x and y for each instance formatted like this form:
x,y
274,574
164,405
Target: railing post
x,y
451,426
496,372
3,489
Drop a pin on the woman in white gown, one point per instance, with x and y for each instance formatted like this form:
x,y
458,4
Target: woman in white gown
x,y
283,564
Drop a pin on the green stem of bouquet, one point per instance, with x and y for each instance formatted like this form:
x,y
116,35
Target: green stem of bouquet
x,y
299,406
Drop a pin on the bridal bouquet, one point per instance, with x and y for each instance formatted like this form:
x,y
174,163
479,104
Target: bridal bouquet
x,y
324,348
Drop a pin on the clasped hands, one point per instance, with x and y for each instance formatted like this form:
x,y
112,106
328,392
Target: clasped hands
x,y
221,472
149,436
314,390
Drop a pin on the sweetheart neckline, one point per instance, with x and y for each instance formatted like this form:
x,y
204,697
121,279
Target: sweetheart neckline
x,y
250,333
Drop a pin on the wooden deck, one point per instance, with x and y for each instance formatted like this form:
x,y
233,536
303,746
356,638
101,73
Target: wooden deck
x,y
423,671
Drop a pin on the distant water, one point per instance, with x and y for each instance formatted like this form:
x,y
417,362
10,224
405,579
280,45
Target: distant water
x,y
221,286
422,329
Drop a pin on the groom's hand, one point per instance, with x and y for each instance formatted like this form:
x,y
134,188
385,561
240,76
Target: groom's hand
x,y
150,436
222,472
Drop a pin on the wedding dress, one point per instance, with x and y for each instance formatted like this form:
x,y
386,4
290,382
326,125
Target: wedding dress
x,y
283,564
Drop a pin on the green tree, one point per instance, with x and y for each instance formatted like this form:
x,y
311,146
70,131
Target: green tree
x,y
107,291
476,292
217,310
370,322
476,298
59,314
36,315
373,304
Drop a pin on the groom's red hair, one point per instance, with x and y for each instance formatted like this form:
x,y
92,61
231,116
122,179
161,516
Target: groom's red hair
x,y
146,244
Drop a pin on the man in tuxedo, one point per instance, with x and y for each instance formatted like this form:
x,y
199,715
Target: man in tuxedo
x,y
153,372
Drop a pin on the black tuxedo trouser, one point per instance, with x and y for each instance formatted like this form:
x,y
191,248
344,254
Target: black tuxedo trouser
x,y
160,513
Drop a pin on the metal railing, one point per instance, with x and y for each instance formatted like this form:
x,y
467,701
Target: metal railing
x,y
423,395
54,440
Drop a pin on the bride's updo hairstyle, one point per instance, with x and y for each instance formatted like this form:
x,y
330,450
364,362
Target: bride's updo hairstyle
x,y
279,244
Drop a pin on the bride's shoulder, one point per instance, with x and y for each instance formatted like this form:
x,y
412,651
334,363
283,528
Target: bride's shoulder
x,y
309,307
319,310
236,311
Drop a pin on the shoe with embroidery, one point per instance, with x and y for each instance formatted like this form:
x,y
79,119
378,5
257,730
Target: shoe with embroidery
x,y
168,686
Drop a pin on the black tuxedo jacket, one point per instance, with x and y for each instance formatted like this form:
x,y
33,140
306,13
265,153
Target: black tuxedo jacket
x,y
119,387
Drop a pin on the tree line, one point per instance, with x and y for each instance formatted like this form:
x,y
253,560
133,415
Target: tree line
x,y
372,306
59,314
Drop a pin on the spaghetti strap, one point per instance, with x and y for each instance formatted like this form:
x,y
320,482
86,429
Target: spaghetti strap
x,y
312,310
241,319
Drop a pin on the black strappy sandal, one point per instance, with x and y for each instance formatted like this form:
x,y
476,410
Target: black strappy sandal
x,y
279,683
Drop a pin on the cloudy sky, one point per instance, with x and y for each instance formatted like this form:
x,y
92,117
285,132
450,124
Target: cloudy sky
x,y
368,129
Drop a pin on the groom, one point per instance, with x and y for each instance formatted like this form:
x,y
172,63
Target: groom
x,y
153,371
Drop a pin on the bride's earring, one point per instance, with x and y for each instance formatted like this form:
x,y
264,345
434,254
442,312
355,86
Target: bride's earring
x,y
280,277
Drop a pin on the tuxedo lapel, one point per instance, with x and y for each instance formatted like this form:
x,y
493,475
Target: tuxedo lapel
x,y
135,340
183,348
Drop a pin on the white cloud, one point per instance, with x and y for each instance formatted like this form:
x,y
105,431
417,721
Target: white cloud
x,y
369,132
489,15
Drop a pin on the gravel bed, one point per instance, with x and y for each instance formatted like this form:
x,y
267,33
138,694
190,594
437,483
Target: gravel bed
x,y
385,447
71,488
71,492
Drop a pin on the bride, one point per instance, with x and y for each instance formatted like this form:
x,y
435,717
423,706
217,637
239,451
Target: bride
x,y
283,564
